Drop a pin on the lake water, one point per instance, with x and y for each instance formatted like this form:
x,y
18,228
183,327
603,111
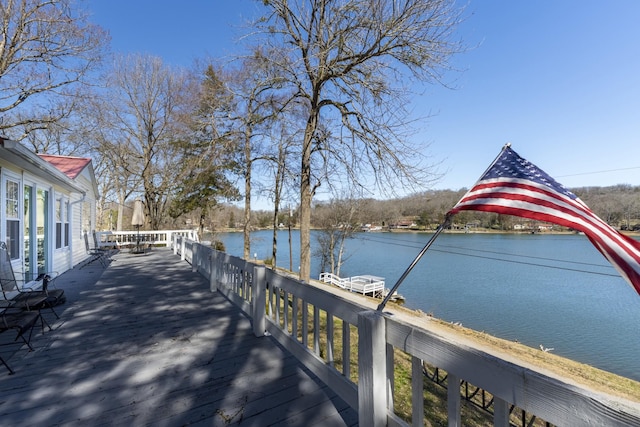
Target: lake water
x,y
552,290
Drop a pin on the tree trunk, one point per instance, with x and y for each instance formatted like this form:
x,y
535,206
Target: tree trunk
x,y
305,225
203,217
340,252
246,226
276,203
332,254
121,199
306,194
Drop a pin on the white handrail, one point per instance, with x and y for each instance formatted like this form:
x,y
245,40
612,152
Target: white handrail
x,y
156,237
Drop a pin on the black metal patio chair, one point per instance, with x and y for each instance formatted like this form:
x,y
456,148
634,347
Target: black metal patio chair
x,y
20,321
95,253
17,295
107,251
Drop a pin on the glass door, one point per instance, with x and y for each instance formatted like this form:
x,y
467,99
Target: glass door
x,y
42,229
29,255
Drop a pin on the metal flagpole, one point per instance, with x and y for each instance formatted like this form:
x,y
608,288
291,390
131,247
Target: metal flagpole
x,y
442,226
504,147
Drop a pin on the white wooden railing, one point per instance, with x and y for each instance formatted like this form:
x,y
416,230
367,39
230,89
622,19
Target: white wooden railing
x,y
293,313
152,237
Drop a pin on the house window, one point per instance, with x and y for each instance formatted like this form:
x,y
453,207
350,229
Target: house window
x,y
66,224
12,198
62,223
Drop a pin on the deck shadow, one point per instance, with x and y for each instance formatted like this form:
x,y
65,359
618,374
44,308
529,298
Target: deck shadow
x,y
149,344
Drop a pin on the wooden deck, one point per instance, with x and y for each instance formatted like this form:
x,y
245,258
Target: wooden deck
x,y
145,342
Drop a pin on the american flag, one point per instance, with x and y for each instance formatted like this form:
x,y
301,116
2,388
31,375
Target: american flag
x,y
515,186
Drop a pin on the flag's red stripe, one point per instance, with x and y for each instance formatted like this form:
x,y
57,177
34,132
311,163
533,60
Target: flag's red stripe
x,y
581,216
531,188
629,246
622,265
632,247
595,228
515,193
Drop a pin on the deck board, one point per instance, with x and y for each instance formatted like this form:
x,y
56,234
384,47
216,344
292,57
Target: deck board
x,y
148,344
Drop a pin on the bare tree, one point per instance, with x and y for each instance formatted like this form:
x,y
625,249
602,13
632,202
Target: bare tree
x,y
282,177
277,196
47,50
57,138
337,221
146,102
348,61
257,105
120,179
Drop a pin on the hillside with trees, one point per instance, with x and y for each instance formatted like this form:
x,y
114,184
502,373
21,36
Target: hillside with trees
x,y
618,205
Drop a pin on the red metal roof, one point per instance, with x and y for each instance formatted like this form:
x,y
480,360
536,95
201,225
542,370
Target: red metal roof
x,y
70,166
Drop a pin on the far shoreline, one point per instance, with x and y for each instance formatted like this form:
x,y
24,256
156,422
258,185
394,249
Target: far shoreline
x,y
431,231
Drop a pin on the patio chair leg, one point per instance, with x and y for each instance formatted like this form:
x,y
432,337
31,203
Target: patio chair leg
x,y
11,371
44,322
25,340
50,307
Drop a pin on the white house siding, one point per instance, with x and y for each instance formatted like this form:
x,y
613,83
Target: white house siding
x,y
61,256
76,252
83,211
19,165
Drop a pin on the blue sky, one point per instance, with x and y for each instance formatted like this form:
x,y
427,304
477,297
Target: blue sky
x,y
558,79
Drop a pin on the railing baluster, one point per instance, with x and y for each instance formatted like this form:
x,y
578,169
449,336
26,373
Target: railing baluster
x,y
330,359
417,390
305,324
346,349
453,401
316,330
277,292
500,413
285,310
294,318
271,303
390,383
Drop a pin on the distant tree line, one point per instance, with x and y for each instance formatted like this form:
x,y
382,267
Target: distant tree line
x,y
618,205
337,220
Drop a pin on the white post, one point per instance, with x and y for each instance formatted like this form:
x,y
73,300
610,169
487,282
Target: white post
x,y
183,249
500,412
174,238
372,369
215,271
194,257
259,300
225,279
